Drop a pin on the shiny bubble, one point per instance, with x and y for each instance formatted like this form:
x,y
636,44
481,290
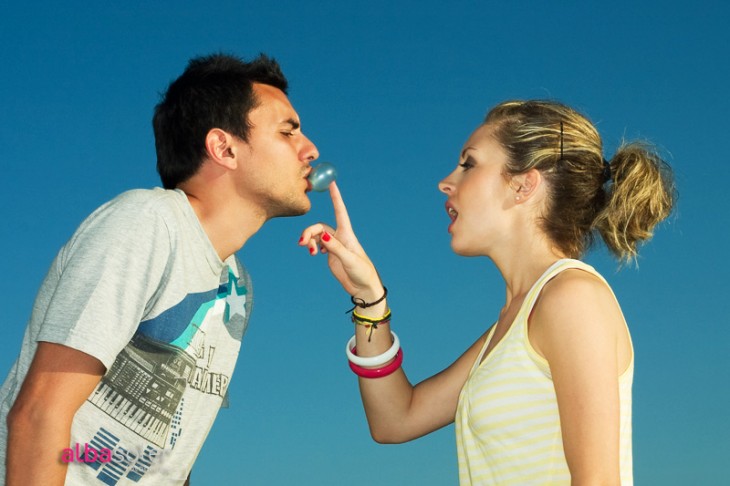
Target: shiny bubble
x,y
321,176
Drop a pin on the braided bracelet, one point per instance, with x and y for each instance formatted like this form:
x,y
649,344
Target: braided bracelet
x,y
370,323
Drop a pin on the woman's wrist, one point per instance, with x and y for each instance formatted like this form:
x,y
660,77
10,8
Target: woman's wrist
x,y
370,292
370,302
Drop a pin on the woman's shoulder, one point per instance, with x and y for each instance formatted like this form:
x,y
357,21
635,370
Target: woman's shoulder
x,y
575,303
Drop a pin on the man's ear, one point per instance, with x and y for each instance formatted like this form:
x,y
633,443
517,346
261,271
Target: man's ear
x,y
220,148
526,185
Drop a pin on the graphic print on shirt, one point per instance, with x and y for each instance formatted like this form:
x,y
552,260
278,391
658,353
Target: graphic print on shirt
x,y
167,356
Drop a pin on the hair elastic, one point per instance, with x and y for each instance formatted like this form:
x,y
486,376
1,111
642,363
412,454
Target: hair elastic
x,y
606,171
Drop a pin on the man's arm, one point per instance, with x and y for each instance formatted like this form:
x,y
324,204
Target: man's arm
x,y
39,423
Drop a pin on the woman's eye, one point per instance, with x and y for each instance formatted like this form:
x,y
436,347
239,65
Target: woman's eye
x,y
467,164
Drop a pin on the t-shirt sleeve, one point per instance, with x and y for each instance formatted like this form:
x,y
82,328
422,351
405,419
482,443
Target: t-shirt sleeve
x,y
104,278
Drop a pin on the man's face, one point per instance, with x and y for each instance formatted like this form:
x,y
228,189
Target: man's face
x,y
277,156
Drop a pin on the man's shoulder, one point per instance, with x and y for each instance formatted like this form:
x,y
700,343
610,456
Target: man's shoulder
x,y
137,212
146,197
138,204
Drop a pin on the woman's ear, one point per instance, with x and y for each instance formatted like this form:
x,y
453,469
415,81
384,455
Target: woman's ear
x,y
525,185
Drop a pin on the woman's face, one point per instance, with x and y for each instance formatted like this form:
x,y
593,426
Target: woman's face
x,y
479,196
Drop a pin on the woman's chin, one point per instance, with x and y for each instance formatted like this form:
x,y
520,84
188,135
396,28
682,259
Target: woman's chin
x,y
461,249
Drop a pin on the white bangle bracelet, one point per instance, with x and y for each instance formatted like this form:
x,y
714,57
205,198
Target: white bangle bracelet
x,y
378,360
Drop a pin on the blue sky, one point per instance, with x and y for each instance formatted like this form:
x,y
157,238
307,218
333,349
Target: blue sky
x,y
389,91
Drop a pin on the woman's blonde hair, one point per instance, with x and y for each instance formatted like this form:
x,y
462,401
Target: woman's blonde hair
x,y
621,200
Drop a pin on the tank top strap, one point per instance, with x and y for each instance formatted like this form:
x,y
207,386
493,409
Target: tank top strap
x,y
517,332
549,274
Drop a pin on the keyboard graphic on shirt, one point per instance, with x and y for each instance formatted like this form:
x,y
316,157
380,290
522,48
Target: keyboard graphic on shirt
x,y
144,387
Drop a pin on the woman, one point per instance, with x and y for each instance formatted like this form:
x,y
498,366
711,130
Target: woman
x,y
544,395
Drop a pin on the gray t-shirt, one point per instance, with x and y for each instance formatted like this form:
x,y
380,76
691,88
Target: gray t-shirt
x,y
140,287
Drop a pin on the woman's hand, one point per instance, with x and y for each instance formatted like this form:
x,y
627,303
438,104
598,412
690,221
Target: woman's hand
x,y
346,258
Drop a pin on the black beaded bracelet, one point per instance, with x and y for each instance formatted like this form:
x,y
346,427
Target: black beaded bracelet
x,y
361,303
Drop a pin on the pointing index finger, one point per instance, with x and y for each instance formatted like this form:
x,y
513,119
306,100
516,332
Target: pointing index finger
x,y
341,216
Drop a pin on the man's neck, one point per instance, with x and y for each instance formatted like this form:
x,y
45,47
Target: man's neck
x,y
227,224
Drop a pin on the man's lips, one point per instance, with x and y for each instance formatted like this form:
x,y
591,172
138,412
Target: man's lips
x,y
306,178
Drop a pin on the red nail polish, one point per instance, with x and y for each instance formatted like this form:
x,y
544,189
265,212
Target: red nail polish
x,y
301,238
311,251
326,236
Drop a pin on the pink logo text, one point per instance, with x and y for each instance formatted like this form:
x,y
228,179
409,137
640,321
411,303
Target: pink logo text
x,y
87,454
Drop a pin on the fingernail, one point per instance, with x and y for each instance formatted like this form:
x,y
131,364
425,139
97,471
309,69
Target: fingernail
x,y
311,251
326,236
301,238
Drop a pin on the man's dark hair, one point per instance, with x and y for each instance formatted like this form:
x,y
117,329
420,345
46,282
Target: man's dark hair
x,y
213,92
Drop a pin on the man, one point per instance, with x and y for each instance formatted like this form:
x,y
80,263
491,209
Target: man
x,y
136,328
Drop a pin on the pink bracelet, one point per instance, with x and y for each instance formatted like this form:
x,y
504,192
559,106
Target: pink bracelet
x,y
378,372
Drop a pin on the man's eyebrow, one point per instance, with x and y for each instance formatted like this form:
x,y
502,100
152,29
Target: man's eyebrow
x,y
291,121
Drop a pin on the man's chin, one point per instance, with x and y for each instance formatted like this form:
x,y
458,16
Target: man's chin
x,y
304,208
294,210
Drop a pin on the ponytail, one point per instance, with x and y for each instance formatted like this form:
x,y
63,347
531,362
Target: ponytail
x,y
640,196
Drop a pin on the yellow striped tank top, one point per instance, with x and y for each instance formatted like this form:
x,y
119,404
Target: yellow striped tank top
x,y
507,422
